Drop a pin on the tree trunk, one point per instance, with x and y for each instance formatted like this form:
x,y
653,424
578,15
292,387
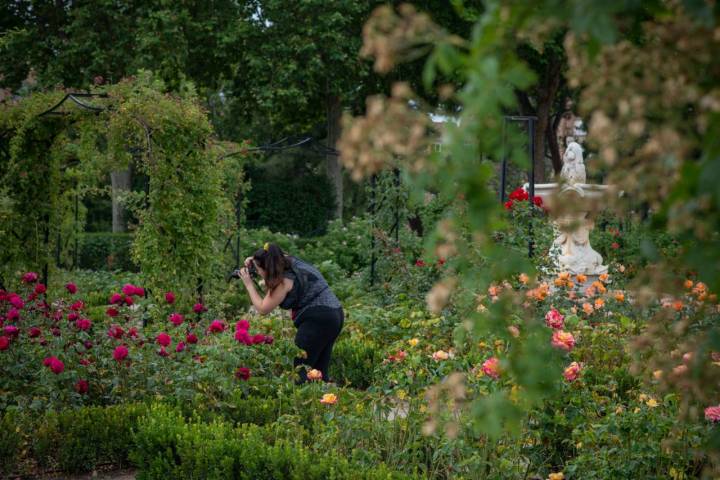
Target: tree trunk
x,y
120,183
332,162
552,143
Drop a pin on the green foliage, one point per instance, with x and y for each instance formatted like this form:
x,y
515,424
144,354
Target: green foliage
x,y
291,202
11,442
106,251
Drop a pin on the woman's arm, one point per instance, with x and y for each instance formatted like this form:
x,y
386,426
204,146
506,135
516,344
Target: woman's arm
x,y
273,298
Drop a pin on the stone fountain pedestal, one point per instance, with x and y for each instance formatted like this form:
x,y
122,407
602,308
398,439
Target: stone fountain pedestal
x,y
570,205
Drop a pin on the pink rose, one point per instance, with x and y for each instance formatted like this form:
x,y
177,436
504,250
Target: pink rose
x,y
162,352
554,319
128,289
55,331
563,340
191,338
4,342
116,299
129,300
83,324
133,332
47,361
242,325
491,367
176,319
12,315
257,339
180,347
112,312
71,288
34,332
77,306
713,414
572,372
170,297
72,316
163,339
199,308
40,288
139,292
120,353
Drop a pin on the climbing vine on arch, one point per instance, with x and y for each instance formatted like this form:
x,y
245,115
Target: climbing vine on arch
x,y
181,215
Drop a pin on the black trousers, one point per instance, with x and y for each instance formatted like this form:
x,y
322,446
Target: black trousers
x,y
317,331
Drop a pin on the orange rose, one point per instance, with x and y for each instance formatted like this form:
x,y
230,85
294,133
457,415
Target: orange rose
x,y
329,399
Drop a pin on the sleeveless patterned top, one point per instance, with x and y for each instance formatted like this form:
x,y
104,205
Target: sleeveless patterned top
x,y
309,290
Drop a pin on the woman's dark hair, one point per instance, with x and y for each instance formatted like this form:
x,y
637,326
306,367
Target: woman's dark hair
x,y
274,262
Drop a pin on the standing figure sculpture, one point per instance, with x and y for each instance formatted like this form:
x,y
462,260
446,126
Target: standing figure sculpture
x,y
573,170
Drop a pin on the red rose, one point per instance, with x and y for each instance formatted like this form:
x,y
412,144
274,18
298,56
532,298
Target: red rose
x,y
538,201
243,337
30,277
199,308
519,194
191,338
47,361
216,326
269,339
72,316
170,297
129,301
112,312
40,288
162,352
242,325
508,205
133,333
116,299
257,339
615,245
71,288
128,289
34,332
87,344
180,347
56,366
115,331
120,353
55,331
12,315
16,301
12,331
176,319
83,324
242,373
4,342
139,292
420,263
77,306
163,339
81,386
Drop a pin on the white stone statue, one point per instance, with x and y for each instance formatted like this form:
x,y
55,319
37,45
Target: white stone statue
x,y
576,255
573,170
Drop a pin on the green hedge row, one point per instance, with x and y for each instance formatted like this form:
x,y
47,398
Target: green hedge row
x,y
161,441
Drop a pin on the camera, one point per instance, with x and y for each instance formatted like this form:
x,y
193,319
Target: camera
x,y
252,270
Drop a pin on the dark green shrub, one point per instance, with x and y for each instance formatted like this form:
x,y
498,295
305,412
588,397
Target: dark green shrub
x,y
301,203
353,363
10,442
78,440
106,251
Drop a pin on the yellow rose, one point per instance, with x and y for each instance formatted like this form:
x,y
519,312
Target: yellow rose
x,y
413,342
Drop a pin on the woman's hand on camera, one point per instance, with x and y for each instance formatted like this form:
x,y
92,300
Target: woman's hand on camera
x,y
245,275
247,261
